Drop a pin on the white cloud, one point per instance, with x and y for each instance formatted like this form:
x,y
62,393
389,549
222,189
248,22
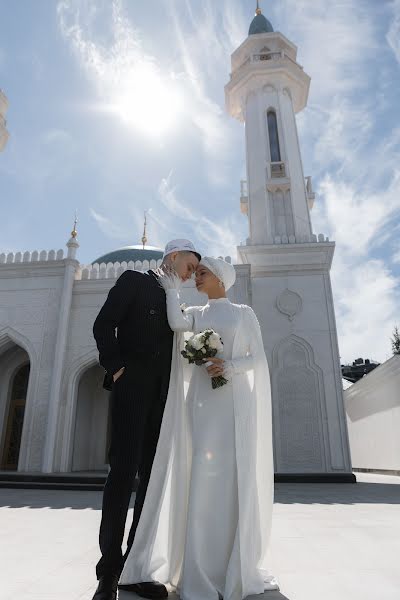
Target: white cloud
x,y
331,47
357,220
366,303
393,34
109,226
204,48
218,238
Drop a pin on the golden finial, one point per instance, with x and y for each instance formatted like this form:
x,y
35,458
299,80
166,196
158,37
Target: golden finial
x,y
144,238
74,232
258,9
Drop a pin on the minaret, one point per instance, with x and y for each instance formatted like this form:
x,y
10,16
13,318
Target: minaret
x,y
267,88
4,135
290,280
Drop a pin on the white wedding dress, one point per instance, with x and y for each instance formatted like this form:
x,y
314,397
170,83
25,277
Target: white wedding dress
x,y
205,525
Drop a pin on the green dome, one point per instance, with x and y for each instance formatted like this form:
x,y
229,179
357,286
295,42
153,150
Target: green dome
x,y
260,25
128,253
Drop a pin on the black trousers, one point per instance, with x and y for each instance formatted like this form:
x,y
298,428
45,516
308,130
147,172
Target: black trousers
x,y
138,400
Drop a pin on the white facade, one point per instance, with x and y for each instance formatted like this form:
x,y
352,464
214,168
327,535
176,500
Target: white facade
x,y
373,418
290,266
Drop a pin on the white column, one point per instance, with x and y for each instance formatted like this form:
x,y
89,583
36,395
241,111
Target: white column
x,y
61,341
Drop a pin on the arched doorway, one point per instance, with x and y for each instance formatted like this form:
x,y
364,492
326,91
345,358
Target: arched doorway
x,y
92,422
14,419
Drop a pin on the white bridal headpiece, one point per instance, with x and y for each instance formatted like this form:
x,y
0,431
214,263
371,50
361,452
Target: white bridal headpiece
x,y
221,269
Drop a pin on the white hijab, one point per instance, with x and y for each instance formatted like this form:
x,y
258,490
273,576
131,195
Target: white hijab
x,y
223,270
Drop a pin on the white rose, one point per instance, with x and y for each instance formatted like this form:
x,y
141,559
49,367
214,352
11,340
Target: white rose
x,y
196,342
215,342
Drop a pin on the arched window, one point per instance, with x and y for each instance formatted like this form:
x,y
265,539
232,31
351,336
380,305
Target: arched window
x,y
273,136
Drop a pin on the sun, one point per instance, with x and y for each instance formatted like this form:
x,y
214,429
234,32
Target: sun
x,y
146,102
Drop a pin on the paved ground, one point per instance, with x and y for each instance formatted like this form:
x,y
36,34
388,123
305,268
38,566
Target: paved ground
x,y
330,542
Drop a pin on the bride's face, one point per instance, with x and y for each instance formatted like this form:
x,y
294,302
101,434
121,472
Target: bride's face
x,y
206,281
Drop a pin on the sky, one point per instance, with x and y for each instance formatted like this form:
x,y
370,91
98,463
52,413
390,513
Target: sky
x,y
117,107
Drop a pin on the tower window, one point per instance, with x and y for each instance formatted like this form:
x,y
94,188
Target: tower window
x,y
273,136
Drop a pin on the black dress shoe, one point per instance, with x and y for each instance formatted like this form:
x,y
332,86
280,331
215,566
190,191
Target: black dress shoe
x,y
107,588
145,589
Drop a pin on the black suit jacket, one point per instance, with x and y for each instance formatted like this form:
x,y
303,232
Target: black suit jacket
x,y
136,308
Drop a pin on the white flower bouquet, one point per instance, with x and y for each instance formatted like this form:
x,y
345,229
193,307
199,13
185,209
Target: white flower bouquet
x,y
202,346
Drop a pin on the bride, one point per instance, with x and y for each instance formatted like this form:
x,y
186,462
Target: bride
x,y
205,526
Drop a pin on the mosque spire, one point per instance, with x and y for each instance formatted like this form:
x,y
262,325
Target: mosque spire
x,y
74,232
144,237
258,9
72,243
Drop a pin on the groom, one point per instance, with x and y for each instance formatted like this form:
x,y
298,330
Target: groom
x,y
138,364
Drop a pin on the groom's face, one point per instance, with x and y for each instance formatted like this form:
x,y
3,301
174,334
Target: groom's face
x,y
185,264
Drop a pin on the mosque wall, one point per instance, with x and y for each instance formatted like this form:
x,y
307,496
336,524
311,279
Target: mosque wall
x,y
298,325
373,418
30,294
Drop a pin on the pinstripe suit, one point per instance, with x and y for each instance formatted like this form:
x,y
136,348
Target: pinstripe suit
x,y
136,307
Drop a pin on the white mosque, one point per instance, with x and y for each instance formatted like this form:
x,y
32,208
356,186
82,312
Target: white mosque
x,y
54,412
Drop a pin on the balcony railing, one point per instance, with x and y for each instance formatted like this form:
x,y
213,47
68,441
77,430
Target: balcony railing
x,y
267,56
278,170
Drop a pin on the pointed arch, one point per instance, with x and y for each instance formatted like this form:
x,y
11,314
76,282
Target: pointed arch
x,y
299,407
10,336
70,396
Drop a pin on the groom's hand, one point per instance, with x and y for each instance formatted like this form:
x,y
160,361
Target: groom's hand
x,y
118,374
217,368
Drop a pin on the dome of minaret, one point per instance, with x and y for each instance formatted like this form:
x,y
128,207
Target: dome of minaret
x,y
260,24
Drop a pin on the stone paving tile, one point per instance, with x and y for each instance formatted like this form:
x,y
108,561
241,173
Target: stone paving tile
x,y
329,542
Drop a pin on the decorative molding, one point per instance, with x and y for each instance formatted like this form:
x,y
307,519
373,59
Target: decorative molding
x,y
286,92
35,256
289,303
287,257
301,437
281,184
269,89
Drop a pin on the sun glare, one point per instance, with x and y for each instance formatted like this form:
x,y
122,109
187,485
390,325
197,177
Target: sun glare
x,y
147,103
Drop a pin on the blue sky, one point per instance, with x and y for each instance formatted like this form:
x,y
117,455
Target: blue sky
x,y
118,106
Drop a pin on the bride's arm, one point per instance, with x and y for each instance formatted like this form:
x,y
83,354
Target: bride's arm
x,y
178,319
246,363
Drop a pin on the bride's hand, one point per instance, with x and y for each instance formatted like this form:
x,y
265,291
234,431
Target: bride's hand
x,y
216,368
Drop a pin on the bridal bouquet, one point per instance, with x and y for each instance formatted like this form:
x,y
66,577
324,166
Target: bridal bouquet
x,y
201,346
